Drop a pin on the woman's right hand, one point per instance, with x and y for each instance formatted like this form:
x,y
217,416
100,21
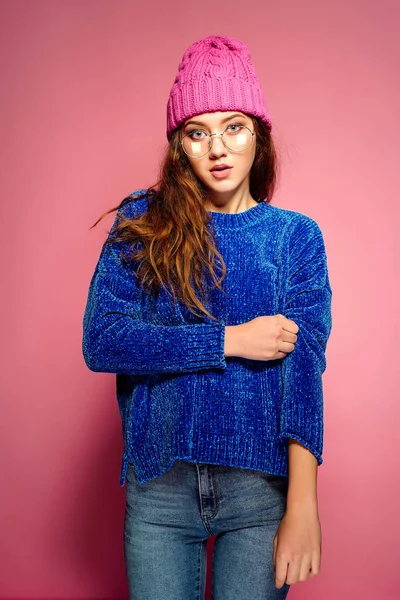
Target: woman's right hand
x,y
262,338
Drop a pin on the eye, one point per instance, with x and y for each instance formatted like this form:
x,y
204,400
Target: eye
x,y
197,134
237,125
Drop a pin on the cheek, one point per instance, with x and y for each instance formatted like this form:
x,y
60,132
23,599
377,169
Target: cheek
x,y
198,167
247,161
252,155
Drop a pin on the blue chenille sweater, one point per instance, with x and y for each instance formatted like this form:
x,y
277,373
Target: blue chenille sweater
x,y
179,396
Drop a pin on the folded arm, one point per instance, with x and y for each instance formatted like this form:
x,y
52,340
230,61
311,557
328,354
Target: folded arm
x,y
117,340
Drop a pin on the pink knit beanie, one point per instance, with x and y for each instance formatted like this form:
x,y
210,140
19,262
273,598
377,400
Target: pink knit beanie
x,y
215,74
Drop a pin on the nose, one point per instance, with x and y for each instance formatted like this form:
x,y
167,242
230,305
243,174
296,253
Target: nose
x,y
217,147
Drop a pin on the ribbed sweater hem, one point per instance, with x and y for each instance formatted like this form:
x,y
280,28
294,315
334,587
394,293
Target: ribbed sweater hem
x,y
233,451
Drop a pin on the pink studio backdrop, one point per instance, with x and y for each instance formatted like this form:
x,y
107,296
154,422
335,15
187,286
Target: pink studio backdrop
x,y
84,92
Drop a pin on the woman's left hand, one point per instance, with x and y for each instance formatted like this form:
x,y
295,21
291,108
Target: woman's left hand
x,y
297,546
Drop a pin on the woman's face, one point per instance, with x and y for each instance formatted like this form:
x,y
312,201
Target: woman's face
x,y
240,163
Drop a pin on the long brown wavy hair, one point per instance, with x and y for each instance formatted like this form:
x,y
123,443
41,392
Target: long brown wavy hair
x,y
173,241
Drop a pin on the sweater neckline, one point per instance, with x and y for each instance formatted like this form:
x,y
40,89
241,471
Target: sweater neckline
x,y
252,215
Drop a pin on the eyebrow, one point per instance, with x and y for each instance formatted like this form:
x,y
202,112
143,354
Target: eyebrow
x,y
223,120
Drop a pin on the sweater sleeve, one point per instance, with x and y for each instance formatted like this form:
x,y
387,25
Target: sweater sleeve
x,y
117,340
308,297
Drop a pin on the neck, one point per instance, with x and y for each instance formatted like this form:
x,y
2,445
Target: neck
x,y
233,201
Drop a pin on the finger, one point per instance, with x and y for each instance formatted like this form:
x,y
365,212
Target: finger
x,y
290,325
316,563
305,571
293,571
281,568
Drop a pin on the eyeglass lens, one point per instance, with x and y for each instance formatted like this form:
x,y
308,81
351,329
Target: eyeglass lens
x,y
236,138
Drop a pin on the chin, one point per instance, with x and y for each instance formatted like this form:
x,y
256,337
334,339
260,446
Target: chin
x,y
224,185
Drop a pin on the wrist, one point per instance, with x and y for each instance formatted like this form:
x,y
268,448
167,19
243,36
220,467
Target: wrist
x,y
231,347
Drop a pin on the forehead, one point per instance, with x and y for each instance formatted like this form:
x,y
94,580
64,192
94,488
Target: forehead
x,y
215,118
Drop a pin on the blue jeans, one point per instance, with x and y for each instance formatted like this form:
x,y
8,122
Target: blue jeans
x,y
169,519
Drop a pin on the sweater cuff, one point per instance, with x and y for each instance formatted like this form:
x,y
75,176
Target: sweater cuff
x,y
284,440
204,346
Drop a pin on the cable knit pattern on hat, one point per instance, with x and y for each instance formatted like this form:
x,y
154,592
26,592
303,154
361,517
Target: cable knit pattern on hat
x,y
215,74
179,396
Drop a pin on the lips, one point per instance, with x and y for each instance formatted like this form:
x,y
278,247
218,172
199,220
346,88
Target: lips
x,y
220,167
220,173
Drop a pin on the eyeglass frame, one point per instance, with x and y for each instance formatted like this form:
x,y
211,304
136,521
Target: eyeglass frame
x,y
210,135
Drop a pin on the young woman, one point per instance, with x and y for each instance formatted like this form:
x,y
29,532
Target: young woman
x,y
213,307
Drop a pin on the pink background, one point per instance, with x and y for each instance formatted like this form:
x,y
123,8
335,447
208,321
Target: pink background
x,y
84,91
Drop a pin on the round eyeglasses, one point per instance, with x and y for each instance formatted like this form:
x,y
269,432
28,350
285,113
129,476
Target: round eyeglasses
x,y
235,137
